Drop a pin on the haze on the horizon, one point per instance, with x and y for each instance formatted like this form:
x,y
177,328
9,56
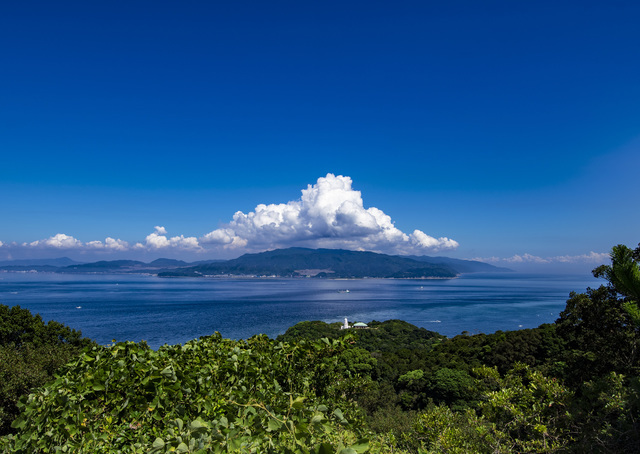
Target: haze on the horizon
x,y
497,131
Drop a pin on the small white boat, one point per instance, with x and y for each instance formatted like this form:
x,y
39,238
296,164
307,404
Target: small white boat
x,y
78,307
343,291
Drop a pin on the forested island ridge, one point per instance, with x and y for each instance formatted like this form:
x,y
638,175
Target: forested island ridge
x,y
291,262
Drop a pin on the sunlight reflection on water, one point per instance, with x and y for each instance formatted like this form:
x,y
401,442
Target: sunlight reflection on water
x,y
127,307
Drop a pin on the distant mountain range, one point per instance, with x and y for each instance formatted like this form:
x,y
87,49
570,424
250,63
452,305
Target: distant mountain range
x,y
462,266
62,261
335,263
291,262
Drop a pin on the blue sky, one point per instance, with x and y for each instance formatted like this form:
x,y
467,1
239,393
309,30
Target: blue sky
x,y
498,130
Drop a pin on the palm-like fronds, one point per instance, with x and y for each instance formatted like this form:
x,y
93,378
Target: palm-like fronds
x,y
624,275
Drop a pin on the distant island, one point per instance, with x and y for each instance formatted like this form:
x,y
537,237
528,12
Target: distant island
x,y
290,262
333,263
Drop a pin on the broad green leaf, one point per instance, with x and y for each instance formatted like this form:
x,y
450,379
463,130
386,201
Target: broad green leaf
x,y
274,424
19,423
361,446
197,424
324,448
298,402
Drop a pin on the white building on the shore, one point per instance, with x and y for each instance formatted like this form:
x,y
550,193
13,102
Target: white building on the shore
x,y
355,325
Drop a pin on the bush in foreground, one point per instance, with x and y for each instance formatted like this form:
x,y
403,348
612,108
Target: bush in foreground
x,y
208,395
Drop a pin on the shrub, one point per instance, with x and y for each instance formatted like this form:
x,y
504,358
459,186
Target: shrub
x,y
208,395
30,352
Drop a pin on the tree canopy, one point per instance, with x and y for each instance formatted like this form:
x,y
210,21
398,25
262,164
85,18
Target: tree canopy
x,y
30,352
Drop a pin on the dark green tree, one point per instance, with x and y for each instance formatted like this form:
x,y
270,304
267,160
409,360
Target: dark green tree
x,y
599,334
30,352
624,276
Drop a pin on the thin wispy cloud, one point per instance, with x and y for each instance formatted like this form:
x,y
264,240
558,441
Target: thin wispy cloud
x,y
592,257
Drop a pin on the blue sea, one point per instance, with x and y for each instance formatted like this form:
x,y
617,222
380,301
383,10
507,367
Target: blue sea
x,y
170,311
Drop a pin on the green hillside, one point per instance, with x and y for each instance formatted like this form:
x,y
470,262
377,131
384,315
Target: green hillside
x,y
335,263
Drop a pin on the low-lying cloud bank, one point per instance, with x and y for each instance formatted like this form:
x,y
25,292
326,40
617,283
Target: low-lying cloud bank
x,y
590,258
329,214
62,241
155,241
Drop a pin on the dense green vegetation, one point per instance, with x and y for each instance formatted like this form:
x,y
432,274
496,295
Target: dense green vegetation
x,y
576,380
572,386
30,352
209,395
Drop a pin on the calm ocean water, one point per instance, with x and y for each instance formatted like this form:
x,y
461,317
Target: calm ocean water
x,y
132,307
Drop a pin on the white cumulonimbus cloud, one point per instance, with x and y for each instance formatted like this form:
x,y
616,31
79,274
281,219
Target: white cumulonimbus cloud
x,y
329,214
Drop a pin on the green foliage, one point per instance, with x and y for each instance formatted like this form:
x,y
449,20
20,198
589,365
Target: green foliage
x,y
599,335
18,327
624,276
393,420
502,349
312,330
210,395
605,415
396,345
526,414
442,430
530,409
30,352
395,335
388,336
455,387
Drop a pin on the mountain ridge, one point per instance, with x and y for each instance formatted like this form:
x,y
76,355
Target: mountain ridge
x,y
289,262
335,263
